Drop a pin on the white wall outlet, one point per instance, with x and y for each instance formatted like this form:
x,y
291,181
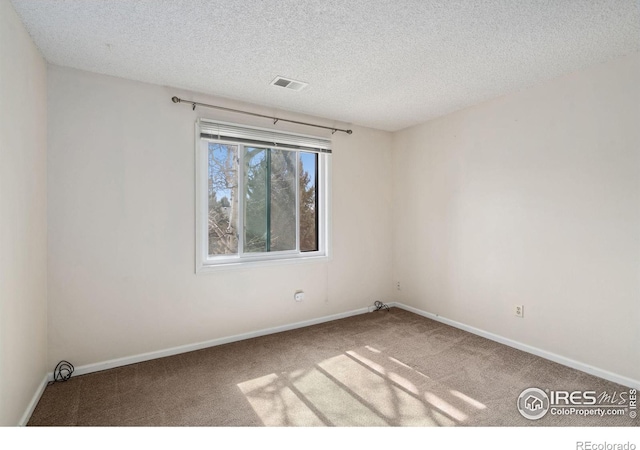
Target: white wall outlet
x,y
298,296
397,285
519,310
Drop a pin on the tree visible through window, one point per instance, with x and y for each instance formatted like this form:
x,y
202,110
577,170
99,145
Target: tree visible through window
x,y
223,198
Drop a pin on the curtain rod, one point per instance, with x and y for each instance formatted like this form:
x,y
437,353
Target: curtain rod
x,y
275,119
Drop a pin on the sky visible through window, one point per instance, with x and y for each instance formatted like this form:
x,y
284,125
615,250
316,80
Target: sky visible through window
x,y
219,152
309,165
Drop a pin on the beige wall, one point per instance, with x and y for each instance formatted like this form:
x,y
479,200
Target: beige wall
x,y
533,199
23,220
121,227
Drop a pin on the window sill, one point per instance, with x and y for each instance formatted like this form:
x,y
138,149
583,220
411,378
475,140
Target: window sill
x,y
202,269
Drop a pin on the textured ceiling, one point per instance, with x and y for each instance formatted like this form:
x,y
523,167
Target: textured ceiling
x,y
382,64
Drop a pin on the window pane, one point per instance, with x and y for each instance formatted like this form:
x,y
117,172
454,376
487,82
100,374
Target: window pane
x,y
270,202
308,180
223,198
256,210
283,200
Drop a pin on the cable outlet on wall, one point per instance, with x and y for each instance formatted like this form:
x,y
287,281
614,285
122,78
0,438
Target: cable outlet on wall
x,y
298,296
519,310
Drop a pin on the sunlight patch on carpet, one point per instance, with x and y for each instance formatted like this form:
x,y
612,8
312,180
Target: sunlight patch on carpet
x,y
353,390
338,406
390,401
276,404
475,403
445,407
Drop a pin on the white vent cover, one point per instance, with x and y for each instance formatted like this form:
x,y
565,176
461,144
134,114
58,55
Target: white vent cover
x,y
288,83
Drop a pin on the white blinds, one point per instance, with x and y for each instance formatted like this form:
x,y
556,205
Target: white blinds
x,y
261,136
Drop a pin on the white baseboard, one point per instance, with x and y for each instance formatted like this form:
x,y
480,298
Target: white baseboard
x,y
96,367
34,402
601,373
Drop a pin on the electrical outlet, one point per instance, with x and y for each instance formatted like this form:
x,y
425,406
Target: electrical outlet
x,y
519,310
298,296
397,285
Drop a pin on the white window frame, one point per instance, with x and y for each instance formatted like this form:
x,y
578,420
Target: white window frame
x,y
206,263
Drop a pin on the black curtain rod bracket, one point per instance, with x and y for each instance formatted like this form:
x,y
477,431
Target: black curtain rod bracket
x,y
275,119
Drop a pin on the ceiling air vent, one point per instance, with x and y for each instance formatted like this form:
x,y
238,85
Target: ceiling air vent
x,y
288,83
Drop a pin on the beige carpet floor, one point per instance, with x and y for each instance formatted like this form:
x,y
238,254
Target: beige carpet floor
x,y
387,368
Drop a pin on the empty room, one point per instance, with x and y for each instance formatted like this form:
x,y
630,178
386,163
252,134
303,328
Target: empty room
x,y
320,214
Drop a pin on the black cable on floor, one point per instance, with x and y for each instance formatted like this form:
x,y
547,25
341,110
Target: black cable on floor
x,y
62,372
379,306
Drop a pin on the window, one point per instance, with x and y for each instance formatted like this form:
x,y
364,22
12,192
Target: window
x,y
261,195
